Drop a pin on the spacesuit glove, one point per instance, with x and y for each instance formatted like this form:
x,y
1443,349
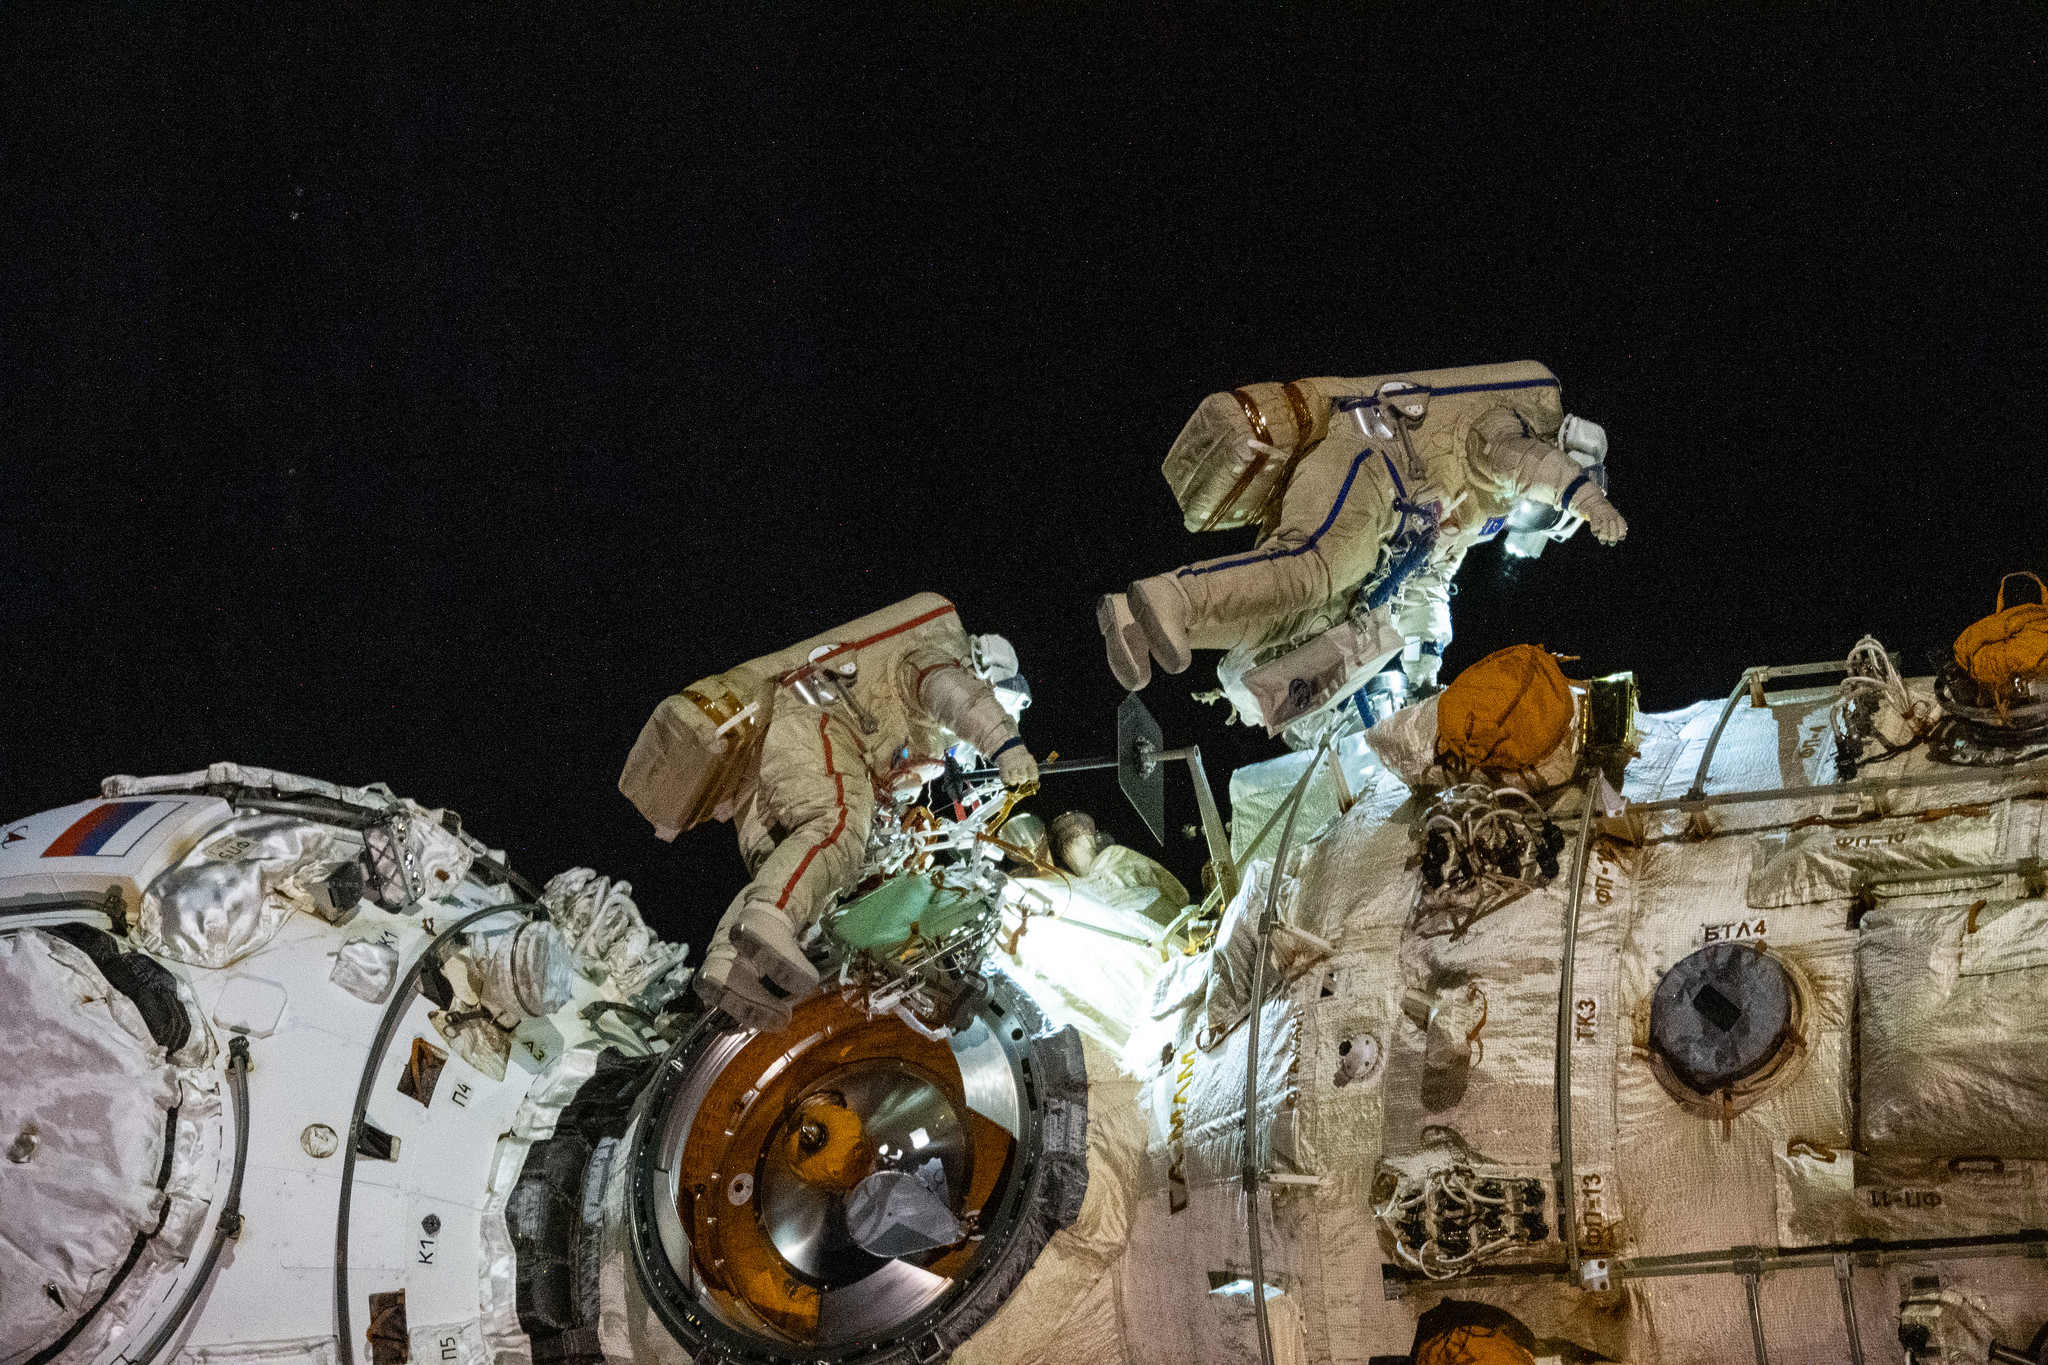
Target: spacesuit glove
x,y
1605,523
1017,766
1422,671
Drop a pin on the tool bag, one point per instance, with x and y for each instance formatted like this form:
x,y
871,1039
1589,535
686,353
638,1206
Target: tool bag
x,y
1323,672
2010,645
1232,460
1507,712
1510,719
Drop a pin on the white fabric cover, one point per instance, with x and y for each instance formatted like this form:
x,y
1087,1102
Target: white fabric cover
x,y
1406,743
1075,975
1121,878
366,968
197,1177
1258,789
228,897
899,1213
606,935
85,1073
520,970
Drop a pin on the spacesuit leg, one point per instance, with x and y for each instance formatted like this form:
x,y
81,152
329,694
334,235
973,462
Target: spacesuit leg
x,y
1335,515
816,786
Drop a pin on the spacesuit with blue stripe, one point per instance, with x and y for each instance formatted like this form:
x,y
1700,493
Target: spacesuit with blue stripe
x,y
1367,514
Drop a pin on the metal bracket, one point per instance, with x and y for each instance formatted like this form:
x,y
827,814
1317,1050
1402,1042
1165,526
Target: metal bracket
x,y
1752,684
1138,746
1139,753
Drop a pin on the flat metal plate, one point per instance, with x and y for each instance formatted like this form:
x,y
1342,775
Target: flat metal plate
x,y
1146,791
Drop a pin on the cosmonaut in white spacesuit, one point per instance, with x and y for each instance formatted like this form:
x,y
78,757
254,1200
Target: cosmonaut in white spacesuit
x,y
869,719
1376,506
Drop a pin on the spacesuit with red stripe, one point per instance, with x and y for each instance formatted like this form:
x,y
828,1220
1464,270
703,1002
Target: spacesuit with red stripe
x,y
803,826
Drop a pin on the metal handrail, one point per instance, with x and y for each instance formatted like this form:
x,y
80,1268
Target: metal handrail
x,y
1751,682
1254,1164
2028,1242
2024,867
1845,1285
229,1225
1567,1187
401,1001
1949,777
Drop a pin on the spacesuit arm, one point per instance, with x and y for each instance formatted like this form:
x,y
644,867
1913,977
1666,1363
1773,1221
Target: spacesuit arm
x,y
1522,466
965,704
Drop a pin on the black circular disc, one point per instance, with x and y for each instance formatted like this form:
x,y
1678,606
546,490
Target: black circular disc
x,y
1721,1014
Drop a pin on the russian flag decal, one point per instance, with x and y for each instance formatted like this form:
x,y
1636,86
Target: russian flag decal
x,y
110,830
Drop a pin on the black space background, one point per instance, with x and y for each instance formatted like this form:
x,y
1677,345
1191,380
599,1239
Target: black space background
x,y
416,400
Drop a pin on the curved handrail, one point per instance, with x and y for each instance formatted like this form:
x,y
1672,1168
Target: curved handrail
x,y
401,999
230,1222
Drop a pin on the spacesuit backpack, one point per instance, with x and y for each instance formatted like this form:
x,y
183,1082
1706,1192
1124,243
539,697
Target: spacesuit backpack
x,y
1231,462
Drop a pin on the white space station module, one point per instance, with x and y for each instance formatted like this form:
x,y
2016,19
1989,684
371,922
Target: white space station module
x,y
1720,1051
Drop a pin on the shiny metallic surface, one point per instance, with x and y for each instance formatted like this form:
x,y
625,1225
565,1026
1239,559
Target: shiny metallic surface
x,y
815,1158
985,1075
842,1100
893,1294
1027,834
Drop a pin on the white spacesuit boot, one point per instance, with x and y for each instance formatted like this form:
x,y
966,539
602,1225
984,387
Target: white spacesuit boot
x,y
726,983
1130,658
767,944
1159,605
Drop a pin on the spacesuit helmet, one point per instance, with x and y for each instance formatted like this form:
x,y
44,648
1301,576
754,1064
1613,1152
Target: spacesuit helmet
x,y
1531,525
995,661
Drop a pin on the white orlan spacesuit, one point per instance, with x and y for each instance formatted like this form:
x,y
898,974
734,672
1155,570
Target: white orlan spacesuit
x,y
1390,482
870,718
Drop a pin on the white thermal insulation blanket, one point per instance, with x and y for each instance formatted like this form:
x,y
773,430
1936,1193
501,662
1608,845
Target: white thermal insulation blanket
x,y
227,898
1065,1309
1076,974
1955,1031
86,1095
